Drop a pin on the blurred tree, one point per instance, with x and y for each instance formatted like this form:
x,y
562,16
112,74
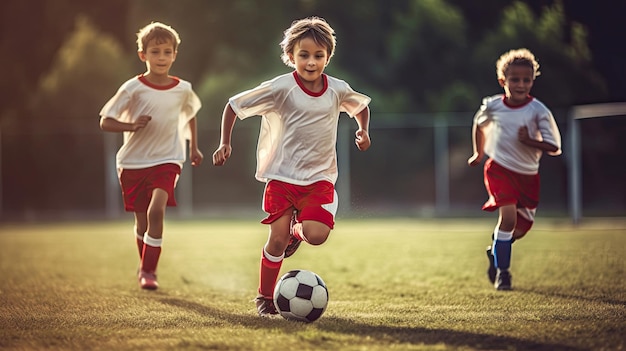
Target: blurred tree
x,y
28,39
32,32
425,47
409,55
89,66
568,76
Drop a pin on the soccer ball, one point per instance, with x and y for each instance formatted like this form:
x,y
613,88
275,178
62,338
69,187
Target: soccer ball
x,y
301,296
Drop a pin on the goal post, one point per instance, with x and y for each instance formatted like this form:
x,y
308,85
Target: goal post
x,y
574,160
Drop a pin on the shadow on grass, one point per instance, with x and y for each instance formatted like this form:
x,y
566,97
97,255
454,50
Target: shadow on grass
x,y
389,334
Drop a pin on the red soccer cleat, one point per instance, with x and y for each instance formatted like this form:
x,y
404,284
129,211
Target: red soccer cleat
x,y
148,281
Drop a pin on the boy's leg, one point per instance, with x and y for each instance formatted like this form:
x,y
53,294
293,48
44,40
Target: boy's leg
x,y
141,226
135,200
139,241
502,259
503,236
525,221
268,275
491,269
295,235
151,253
271,262
153,240
269,270
317,218
316,232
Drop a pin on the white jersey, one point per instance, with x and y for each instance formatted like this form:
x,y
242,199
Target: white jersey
x,y
163,139
297,141
500,124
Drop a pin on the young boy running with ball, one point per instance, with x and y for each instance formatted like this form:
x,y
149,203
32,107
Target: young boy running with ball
x,y
296,153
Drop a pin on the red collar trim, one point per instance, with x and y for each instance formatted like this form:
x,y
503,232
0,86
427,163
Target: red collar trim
x,y
504,100
144,80
307,91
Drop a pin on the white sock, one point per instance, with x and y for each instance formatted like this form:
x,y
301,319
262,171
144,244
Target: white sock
x,y
148,240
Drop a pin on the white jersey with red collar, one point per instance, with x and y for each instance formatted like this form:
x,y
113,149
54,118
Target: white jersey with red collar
x,y
163,139
297,141
500,124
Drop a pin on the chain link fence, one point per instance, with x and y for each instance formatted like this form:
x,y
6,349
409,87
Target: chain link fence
x,y
416,166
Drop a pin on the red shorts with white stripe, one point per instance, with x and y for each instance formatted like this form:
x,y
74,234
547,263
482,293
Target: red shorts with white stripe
x,y
506,187
317,201
138,185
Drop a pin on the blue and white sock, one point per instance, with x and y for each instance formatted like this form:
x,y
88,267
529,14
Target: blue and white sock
x,y
502,249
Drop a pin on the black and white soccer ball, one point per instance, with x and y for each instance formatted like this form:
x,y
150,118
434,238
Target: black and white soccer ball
x,y
301,295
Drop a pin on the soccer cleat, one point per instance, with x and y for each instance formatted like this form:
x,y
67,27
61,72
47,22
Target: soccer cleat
x,y
491,271
294,242
265,306
503,280
148,281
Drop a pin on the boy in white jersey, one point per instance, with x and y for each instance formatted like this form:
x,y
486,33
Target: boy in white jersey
x,y
157,114
514,130
296,155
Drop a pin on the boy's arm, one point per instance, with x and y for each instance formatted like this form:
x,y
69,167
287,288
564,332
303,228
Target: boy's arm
x,y
478,144
193,128
195,155
362,138
224,149
525,139
110,124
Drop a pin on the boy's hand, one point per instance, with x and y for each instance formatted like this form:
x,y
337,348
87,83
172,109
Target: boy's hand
x,y
196,157
221,154
141,122
475,159
362,140
522,134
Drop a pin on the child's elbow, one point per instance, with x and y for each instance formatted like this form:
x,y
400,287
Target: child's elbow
x,y
553,150
104,123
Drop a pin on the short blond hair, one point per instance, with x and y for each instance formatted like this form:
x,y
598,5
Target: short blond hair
x,y
160,33
521,57
315,28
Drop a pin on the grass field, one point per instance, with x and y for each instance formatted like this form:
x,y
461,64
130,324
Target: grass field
x,y
394,284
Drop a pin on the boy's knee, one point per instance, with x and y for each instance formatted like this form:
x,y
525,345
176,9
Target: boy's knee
x,y
316,233
522,227
156,213
317,239
518,235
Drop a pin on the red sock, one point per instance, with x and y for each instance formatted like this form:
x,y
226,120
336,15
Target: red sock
x,y
150,258
268,275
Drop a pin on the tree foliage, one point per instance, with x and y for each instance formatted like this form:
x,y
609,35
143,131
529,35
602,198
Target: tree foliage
x,y
566,63
411,56
89,66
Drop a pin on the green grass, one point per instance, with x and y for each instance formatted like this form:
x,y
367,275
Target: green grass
x,y
394,284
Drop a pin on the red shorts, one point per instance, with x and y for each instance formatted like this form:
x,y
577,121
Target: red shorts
x,y
506,187
138,185
316,202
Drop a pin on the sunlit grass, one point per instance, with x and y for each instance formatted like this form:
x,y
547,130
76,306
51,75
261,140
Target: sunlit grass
x,y
395,284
